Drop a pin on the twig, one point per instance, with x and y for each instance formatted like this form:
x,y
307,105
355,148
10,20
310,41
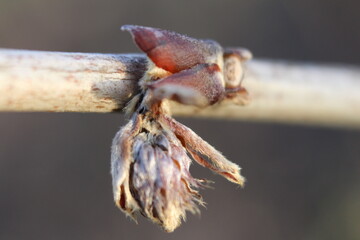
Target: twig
x,y
88,82
63,82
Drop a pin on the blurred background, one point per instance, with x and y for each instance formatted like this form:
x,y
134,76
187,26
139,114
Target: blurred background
x,y
302,182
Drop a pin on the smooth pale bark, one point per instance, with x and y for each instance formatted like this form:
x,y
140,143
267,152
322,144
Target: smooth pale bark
x,y
88,82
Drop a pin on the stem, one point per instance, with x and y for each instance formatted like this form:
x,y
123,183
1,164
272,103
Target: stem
x,y
88,82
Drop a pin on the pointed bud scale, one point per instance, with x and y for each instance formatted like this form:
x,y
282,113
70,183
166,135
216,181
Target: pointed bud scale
x,y
200,86
172,51
203,153
121,160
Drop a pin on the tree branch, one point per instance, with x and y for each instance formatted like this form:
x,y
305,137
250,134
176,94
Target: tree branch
x,y
88,82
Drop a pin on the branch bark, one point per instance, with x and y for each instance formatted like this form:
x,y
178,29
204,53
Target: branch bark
x,y
87,82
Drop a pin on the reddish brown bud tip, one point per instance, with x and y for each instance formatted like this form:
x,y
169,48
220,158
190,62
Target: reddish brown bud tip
x,y
172,51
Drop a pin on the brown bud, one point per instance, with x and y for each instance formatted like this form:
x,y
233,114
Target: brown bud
x,y
151,155
158,182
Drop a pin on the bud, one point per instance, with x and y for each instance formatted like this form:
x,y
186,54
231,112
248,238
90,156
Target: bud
x,y
155,179
150,168
151,155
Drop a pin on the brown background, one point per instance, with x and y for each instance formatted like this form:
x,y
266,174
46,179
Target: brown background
x,y
303,182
